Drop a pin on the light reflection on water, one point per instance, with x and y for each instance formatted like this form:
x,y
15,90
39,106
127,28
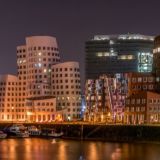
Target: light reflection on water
x,y
49,149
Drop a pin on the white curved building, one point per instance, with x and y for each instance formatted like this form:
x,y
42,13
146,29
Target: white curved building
x,y
34,93
34,64
65,80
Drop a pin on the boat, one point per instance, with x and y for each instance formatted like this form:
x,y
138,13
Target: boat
x,y
51,133
22,134
2,135
17,130
34,131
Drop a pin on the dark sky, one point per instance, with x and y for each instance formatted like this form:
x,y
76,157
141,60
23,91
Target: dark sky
x,y
72,22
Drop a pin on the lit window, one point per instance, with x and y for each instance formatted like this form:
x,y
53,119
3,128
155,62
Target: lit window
x,y
45,70
92,98
39,65
126,57
99,54
139,79
106,54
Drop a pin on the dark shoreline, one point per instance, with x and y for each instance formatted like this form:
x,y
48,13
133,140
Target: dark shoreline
x,y
109,133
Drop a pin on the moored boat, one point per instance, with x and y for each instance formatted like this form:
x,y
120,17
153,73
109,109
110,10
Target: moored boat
x,y
51,133
34,131
17,130
2,135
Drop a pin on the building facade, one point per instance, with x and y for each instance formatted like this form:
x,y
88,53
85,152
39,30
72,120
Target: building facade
x,y
9,109
138,82
142,108
110,54
107,95
65,85
105,98
156,62
36,100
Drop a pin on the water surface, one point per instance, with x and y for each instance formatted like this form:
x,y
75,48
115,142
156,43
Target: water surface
x,y
50,149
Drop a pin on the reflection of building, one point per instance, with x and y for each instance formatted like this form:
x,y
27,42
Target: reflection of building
x,y
106,96
142,108
107,54
33,97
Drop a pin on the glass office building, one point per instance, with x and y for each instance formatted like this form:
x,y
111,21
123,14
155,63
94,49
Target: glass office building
x,y
109,54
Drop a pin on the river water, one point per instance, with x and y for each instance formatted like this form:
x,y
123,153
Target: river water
x,y
59,149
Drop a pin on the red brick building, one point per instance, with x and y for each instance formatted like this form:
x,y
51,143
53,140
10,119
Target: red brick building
x,y
142,108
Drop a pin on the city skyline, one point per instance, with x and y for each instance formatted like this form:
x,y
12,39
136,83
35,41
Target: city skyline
x,y
57,19
79,79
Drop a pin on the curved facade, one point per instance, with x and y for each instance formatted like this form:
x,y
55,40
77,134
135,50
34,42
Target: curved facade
x,y
66,87
34,64
107,54
45,90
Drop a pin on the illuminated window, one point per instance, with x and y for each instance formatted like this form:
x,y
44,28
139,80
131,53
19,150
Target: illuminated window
x,y
145,61
139,79
45,70
106,54
39,65
99,54
126,57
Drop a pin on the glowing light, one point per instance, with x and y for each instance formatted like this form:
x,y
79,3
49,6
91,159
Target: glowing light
x,y
29,113
69,118
39,65
45,70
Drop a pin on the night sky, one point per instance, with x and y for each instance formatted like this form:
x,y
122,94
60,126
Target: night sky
x,y
72,22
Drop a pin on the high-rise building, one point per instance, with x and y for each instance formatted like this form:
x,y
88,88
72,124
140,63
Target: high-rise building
x,y
107,54
156,62
37,88
34,60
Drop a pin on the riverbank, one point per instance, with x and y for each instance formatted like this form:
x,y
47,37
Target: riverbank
x,y
111,133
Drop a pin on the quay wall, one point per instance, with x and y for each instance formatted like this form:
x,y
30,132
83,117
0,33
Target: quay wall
x,y
121,133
